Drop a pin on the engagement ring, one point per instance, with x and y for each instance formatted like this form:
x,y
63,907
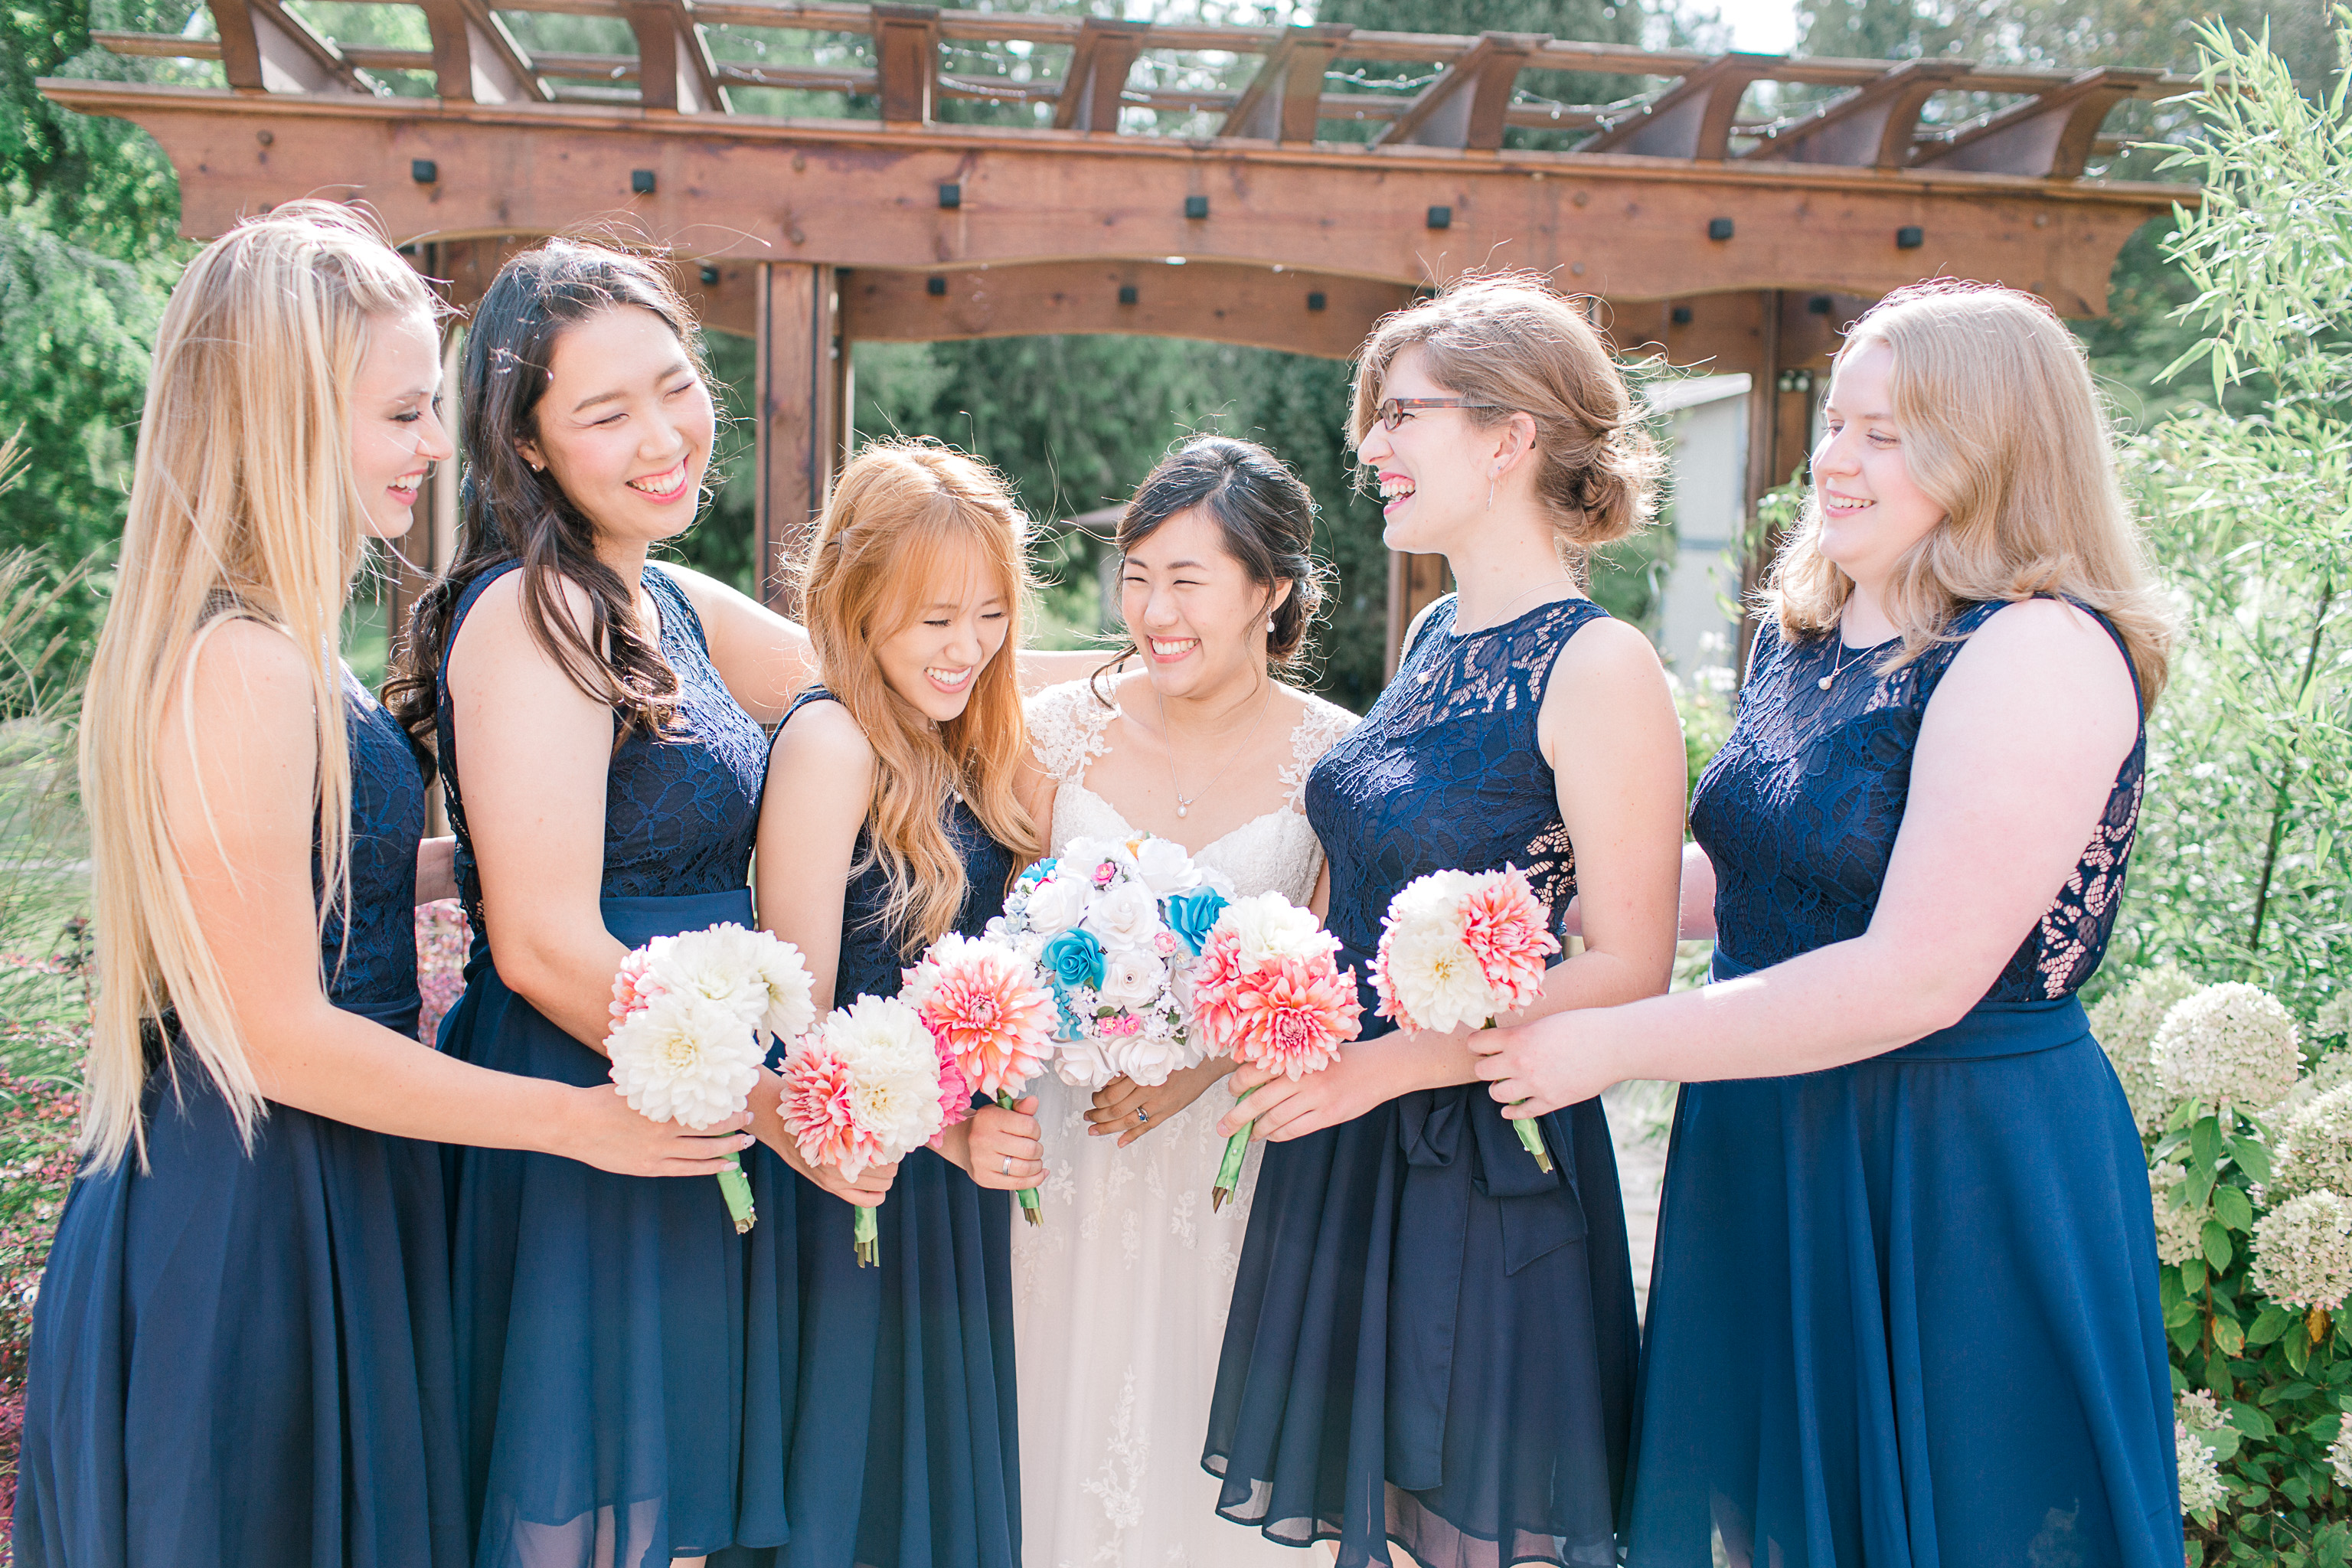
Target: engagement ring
x,y
1142,1115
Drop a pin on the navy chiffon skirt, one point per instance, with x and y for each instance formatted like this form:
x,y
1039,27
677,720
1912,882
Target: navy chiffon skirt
x,y
1431,1342
244,1358
905,1454
626,1360
1904,1314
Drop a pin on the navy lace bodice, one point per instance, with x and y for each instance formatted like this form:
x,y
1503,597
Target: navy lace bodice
x,y
376,972
873,951
1445,772
1800,809
680,810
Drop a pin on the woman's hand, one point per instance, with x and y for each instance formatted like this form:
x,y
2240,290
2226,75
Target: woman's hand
x,y
601,1130
870,1187
1533,1070
1117,1102
1280,1109
999,1148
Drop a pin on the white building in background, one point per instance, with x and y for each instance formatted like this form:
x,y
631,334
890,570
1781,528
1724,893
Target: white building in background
x,y
1705,418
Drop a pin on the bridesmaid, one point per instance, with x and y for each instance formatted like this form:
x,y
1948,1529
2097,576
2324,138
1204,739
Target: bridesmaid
x,y
241,1348
1121,1302
624,1361
1905,1308
891,820
1431,1342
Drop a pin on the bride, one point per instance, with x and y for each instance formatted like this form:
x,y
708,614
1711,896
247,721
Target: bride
x,y
1120,1299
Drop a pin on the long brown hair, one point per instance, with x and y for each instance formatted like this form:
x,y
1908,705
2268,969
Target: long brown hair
x,y
2003,427
514,512
902,511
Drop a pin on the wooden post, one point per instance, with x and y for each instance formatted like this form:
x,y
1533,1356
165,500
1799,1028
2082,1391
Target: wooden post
x,y
802,379
1413,582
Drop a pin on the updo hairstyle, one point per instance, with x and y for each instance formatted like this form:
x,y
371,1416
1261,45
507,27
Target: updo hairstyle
x,y
1505,339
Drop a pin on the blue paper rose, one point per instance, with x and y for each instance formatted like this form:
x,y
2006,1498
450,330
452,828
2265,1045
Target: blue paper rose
x,y
1190,915
1074,958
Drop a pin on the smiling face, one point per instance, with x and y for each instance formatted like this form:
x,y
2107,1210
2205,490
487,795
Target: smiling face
x,y
624,425
960,619
1434,469
396,420
1195,610
1871,510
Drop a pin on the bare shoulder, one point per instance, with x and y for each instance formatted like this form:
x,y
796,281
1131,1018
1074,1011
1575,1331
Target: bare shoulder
x,y
2043,637
823,734
1606,664
245,672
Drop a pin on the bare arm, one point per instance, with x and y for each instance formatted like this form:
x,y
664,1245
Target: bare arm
x,y
1607,716
2019,749
252,759
437,869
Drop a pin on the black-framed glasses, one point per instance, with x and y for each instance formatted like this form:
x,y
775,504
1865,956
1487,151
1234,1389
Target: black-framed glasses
x,y
1395,411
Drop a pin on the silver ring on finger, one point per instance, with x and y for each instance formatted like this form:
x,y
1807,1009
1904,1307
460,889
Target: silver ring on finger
x,y
1141,1116
1008,1166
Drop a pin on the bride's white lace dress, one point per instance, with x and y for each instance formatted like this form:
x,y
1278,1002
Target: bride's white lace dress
x,y
1119,1298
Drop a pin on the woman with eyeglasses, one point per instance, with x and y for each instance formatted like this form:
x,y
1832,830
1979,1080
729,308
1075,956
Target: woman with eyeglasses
x,y
1431,1342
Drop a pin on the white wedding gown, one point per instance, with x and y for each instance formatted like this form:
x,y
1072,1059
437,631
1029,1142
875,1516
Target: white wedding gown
x,y
1119,1298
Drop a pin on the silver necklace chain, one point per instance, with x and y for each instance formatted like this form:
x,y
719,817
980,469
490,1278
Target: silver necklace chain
x,y
1522,599
1839,664
1168,737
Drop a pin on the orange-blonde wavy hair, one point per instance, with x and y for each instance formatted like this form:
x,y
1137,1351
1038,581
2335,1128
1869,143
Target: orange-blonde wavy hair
x,y
902,513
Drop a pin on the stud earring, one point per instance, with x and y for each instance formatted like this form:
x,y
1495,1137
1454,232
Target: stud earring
x,y
1269,623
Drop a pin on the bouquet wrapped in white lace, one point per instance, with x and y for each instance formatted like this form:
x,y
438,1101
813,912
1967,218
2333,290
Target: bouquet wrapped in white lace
x,y
1114,928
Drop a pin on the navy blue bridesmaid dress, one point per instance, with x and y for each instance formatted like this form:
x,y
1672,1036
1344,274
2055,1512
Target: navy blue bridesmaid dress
x,y
624,1360
1904,1312
245,1357
1433,1340
906,1455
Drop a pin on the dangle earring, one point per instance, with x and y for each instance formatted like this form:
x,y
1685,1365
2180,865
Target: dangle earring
x,y
1490,487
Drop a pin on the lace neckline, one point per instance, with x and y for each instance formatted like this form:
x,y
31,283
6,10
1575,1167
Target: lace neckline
x,y
1453,632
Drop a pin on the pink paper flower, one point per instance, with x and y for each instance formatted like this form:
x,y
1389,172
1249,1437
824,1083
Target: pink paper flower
x,y
985,1007
1457,949
1503,926
818,1110
1268,992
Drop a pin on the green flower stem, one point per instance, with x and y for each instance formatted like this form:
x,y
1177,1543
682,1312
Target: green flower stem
x,y
864,1232
1031,1209
737,1192
1229,1169
1531,1135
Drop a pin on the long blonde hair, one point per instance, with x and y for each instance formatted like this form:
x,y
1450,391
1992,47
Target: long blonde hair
x,y
243,503
2003,428
902,511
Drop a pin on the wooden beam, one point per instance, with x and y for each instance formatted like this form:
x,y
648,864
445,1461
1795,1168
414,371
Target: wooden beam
x,y
474,58
1872,126
1413,582
801,378
1692,119
674,69
2050,136
266,48
907,51
1281,103
1102,54
857,194
1466,106
1323,314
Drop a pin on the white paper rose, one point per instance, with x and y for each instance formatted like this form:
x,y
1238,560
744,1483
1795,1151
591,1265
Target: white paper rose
x,y
1059,903
1123,917
1146,1056
1131,977
1081,1064
1164,867
1269,926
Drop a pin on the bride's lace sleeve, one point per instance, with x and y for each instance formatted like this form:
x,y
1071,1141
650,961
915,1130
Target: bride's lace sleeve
x,y
1318,730
1067,728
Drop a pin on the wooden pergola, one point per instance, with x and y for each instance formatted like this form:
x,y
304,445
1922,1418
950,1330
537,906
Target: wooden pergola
x,y
1699,229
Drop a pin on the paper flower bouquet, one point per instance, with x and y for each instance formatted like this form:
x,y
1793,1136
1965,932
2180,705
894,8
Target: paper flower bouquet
x,y
991,1021
864,1089
692,1018
1113,927
1458,948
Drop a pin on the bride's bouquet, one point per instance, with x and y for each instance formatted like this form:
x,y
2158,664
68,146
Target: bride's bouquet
x,y
1268,993
1113,926
692,1018
1458,948
991,1021
863,1088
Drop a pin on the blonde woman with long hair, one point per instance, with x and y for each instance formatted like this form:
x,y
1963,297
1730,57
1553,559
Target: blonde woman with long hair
x,y
891,819
242,1349
1904,1308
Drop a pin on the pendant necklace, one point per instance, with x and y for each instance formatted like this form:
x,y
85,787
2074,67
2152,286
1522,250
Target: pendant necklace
x,y
1184,803
1839,664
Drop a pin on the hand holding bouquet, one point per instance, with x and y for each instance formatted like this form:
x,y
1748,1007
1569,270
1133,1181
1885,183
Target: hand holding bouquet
x,y
1112,927
863,1088
692,1018
991,1021
1268,993
1456,949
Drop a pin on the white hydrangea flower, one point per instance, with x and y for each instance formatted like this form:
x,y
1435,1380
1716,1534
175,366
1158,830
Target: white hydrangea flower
x,y
2200,1409
2335,1020
685,1057
2339,1456
2303,1252
2202,1489
2126,1024
2179,1232
2315,1145
2228,1045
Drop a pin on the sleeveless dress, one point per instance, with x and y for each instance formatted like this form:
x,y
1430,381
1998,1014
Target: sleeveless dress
x,y
1431,1341
905,1454
1119,1298
624,1360
1904,1312
244,1358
